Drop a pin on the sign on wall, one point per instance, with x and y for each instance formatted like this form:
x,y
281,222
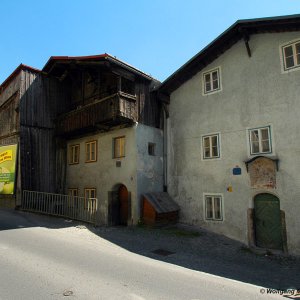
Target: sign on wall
x,y
8,160
237,170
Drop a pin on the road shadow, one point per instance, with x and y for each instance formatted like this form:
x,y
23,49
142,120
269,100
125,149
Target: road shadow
x,y
17,219
207,252
184,246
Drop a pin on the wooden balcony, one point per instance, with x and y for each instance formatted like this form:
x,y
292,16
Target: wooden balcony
x,y
117,109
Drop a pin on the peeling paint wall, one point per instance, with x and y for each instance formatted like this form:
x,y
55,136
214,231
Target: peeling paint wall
x,y
254,93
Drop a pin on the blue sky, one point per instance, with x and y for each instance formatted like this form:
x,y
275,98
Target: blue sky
x,y
156,36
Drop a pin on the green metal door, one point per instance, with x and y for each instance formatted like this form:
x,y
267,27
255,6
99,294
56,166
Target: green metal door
x,y
267,221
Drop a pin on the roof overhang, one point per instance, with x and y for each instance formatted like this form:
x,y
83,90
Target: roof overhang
x,y
15,73
102,59
241,29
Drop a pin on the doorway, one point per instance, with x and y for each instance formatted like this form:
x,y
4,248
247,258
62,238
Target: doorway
x,y
123,205
267,221
119,208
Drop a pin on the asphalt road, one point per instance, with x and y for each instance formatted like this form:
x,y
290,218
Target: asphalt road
x,y
48,258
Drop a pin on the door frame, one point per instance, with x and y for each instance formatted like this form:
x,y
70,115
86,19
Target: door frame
x,y
114,203
251,224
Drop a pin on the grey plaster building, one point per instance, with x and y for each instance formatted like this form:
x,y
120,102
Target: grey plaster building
x,y
233,134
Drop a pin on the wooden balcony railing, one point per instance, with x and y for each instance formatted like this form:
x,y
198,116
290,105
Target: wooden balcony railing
x,y
117,109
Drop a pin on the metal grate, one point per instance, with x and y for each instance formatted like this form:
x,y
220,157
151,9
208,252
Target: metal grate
x,y
162,252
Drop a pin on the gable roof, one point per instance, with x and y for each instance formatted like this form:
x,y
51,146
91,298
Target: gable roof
x,y
162,202
96,58
242,29
15,73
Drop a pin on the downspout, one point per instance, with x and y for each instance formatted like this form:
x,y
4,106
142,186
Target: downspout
x,y
165,147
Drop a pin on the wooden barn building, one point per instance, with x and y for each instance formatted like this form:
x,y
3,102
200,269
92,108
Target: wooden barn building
x,y
12,90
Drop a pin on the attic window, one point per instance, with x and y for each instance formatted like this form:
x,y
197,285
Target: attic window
x,y
127,86
291,56
211,81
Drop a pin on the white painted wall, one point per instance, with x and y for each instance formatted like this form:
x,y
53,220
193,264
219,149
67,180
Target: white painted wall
x,y
149,168
103,174
139,172
254,93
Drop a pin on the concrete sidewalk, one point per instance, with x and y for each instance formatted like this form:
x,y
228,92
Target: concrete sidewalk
x,y
207,252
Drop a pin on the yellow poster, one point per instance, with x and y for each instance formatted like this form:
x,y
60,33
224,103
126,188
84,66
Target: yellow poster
x,y
8,160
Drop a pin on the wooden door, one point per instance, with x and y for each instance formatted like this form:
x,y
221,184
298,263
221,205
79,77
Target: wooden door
x,y
114,208
123,200
267,221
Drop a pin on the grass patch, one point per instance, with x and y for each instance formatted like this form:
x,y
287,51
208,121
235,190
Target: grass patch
x,y
168,230
257,252
246,249
180,232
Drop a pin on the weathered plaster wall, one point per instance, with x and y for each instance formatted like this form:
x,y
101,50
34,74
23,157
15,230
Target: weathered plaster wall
x,y
103,174
254,93
139,172
149,168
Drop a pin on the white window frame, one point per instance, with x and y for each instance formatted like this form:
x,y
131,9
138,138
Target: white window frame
x,y
296,66
260,147
87,195
210,72
213,196
210,146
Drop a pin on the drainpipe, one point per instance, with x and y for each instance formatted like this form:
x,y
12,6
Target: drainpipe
x,y
165,148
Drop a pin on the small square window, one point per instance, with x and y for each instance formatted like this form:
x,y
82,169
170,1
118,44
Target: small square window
x,y
213,207
91,151
74,154
211,81
211,146
291,56
119,147
260,140
151,149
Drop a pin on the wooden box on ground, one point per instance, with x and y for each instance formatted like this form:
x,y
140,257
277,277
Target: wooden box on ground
x,y
159,209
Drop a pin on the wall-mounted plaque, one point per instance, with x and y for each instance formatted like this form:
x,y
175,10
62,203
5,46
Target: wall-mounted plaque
x,y
237,171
